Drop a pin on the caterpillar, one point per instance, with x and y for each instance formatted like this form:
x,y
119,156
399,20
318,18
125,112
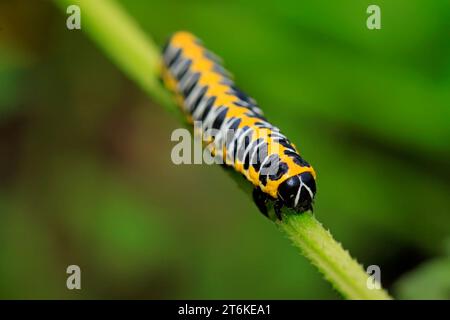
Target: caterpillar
x,y
206,92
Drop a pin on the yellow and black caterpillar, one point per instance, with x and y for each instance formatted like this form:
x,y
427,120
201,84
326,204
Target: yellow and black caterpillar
x,y
255,148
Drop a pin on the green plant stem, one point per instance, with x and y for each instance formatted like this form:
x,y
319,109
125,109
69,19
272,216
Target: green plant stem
x,y
133,51
335,263
136,54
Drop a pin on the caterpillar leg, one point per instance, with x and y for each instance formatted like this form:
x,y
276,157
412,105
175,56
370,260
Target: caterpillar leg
x,y
261,200
277,207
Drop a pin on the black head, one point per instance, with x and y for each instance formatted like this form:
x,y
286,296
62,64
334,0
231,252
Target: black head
x,y
298,192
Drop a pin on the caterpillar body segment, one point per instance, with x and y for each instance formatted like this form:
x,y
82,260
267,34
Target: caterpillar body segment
x,y
243,138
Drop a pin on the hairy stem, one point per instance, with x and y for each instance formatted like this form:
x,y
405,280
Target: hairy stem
x,y
136,55
335,263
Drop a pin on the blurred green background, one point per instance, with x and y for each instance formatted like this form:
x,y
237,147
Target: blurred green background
x,y
86,176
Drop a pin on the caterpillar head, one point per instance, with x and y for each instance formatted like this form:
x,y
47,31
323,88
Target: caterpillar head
x,y
298,192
